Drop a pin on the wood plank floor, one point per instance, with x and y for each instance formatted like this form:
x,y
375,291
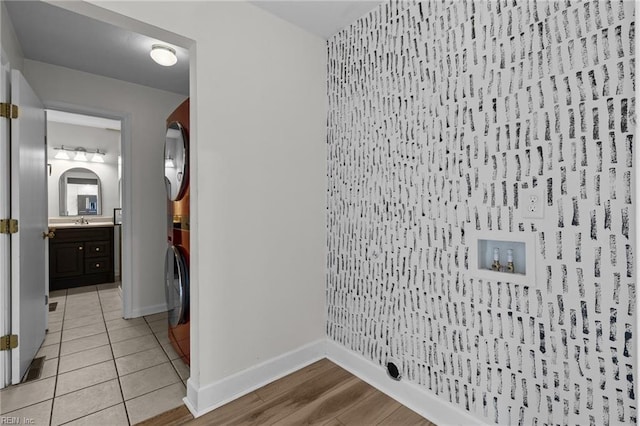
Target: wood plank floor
x,y
321,393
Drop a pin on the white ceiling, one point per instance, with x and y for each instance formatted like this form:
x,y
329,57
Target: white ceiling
x,y
322,18
82,120
57,36
54,35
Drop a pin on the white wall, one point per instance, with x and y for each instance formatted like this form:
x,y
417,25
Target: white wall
x,y
258,127
10,46
71,135
484,121
148,109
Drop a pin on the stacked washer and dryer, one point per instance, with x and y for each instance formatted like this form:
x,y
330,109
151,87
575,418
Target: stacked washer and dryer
x,y
176,171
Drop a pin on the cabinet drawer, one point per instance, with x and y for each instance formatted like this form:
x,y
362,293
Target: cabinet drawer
x,y
96,249
96,265
83,234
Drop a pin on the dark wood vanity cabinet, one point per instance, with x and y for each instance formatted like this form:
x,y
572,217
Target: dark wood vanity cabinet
x,y
80,256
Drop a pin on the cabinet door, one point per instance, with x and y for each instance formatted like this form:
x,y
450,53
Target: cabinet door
x,y
66,260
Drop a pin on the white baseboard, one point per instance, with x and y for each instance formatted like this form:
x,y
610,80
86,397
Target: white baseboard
x,y
201,400
209,397
418,399
148,310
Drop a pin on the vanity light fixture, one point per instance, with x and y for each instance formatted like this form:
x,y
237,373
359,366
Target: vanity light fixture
x,y
98,157
61,154
81,155
163,55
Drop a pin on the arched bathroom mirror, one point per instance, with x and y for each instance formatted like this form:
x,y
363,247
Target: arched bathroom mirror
x,y
80,193
175,161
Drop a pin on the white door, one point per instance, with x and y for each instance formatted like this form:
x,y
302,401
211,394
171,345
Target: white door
x,y
5,212
29,207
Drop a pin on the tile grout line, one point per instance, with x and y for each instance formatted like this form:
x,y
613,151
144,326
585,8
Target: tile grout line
x,y
126,411
170,360
68,302
85,366
105,408
146,368
55,386
88,386
113,359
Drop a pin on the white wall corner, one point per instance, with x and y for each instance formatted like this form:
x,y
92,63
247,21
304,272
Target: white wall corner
x,y
202,399
418,399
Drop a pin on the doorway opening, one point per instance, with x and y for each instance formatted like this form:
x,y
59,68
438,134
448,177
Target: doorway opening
x,y
140,110
84,176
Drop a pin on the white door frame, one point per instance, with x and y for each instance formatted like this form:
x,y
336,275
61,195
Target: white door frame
x,y
5,240
126,267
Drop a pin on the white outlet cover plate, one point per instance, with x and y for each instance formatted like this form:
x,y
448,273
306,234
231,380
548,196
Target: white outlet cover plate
x,y
532,202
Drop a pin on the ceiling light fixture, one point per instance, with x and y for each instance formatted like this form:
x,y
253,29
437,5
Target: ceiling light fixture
x,y
163,55
81,154
62,154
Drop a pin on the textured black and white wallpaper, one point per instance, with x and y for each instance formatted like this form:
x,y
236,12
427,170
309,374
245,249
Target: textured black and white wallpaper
x,y
440,113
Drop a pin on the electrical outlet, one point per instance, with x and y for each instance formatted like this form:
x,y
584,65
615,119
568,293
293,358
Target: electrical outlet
x,y
532,203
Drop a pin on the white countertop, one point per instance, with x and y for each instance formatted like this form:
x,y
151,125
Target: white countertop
x,y
78,225
70,222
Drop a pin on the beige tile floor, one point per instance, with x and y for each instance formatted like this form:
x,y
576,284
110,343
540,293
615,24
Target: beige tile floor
x,y
99,369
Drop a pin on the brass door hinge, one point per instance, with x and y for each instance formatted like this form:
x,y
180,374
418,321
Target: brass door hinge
x,y
8,226
8,342
8,110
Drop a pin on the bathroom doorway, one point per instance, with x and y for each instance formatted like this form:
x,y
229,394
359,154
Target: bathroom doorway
x,y
85,184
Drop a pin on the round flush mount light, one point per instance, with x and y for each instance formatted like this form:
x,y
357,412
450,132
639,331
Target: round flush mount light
x,y
163,55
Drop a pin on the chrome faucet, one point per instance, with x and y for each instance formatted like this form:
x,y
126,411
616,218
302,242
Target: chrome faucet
x,y
82,221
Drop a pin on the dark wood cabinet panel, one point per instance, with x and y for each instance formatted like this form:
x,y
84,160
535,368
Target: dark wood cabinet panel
x,y
81,256
66,260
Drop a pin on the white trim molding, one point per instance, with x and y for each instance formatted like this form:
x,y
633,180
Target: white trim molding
x,y
201,400
408,394
209,397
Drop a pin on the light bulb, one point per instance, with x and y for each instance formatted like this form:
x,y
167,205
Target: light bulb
x,y
98,157
62,154
163,55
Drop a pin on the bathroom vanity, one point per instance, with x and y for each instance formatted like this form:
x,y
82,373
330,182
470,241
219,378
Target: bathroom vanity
x,y
81,255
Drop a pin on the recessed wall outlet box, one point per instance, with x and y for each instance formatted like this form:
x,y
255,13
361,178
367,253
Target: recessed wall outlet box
x,y
501,256
532,203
